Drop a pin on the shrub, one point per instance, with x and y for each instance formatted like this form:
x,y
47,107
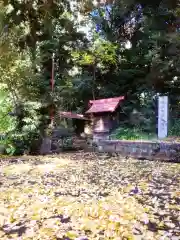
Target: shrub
x,y
175,128
6,121
26,135
13,145
131,134
7,146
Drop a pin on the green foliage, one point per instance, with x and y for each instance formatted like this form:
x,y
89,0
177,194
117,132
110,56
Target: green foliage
x,y
98,67
29,128
6,122
22,130
9,147
28,46
132,134
175,128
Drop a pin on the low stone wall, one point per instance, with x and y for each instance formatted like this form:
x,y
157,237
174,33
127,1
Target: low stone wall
x,y
142,149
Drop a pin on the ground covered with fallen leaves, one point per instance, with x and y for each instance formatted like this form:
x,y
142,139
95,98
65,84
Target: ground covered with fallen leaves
x,y
87,196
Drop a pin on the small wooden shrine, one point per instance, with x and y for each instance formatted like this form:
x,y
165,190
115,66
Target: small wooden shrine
x,y
105,116
78,121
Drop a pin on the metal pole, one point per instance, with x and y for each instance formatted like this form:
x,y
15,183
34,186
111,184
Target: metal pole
x,y
52,76
52,88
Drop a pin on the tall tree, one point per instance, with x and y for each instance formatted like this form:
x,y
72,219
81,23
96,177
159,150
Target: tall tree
x,y
43,29
148,65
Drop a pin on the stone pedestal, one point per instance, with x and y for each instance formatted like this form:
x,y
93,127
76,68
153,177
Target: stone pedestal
x,y
97,136
46,146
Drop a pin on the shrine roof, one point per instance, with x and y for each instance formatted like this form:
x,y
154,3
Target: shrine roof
x,y
104,105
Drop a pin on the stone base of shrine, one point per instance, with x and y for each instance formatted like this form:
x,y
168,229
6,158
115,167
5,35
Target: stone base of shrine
x,y
100,136
142,149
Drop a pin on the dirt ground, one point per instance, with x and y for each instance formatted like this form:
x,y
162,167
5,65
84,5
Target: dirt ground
x,y
88,196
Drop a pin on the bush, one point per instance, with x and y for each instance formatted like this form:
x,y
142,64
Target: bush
x,y
12,145
26,135
17,144
7,147
175,128
7,123
131,134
